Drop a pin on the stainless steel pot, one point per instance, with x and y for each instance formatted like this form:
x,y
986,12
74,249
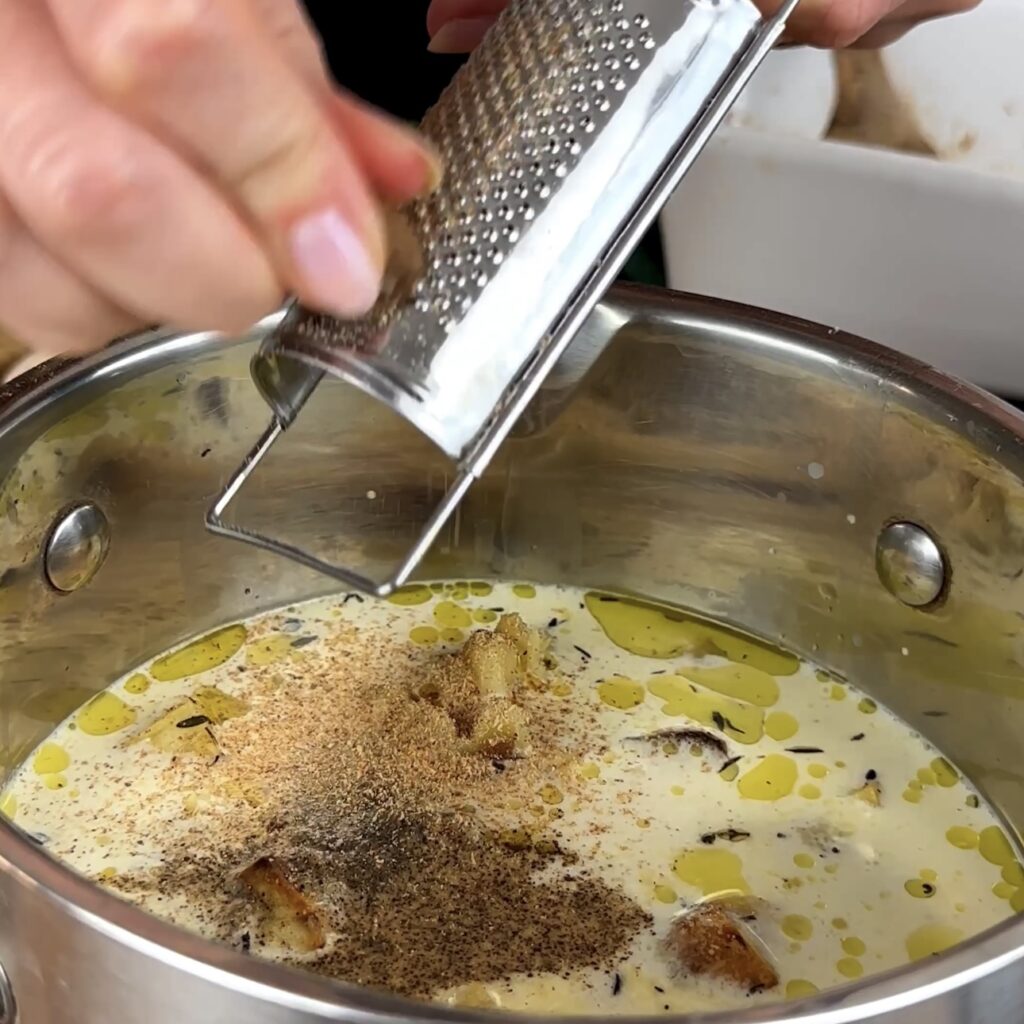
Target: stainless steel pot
x,y
811,487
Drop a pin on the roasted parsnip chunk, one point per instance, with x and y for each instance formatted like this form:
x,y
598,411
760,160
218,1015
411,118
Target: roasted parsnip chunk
x,y
530,643
500,729
710,940
493,663
291,919
476,687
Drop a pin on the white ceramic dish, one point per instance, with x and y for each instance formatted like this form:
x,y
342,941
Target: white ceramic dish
x,y
793,92
925,257
962,83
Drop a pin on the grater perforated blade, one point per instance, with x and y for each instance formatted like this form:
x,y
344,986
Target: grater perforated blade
x,y
562,137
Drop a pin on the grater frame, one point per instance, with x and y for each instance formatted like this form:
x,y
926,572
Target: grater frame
x,y
291,364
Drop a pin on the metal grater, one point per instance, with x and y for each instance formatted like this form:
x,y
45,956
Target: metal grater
x,y
562,137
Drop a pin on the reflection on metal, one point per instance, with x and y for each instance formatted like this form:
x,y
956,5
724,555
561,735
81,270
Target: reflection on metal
x,y
910,564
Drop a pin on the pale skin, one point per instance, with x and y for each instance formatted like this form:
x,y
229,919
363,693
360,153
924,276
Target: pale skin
x,y
190,162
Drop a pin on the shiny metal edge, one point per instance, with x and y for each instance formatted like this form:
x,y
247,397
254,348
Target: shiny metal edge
x,y
903,987
217,524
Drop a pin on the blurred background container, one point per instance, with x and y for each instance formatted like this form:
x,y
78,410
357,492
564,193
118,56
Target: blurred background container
x,y
877,193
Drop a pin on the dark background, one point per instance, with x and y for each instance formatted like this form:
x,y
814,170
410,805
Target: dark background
x,y
378,50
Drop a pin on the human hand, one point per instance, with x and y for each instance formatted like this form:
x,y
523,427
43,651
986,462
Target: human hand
x,y
456,26
184,162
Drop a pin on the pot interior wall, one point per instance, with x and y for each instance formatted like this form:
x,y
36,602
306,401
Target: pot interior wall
x,y
725,461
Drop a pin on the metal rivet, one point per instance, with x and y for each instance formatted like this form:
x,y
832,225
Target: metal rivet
x,y
910,564
77,547
8,1009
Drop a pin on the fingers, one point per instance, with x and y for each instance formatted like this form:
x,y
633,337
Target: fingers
x,y
286,23
912,13
204,77
442,12
461,36
42,301
398,162
836,24
831,24
111,203
458,26
185,162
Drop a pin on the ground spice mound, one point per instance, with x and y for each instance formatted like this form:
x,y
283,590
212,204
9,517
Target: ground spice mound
x,y
429,866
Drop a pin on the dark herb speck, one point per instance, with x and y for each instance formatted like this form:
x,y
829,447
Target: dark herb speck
x,y
723,723
193,722
731,835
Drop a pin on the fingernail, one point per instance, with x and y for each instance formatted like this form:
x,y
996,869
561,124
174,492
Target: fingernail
x,y
461,35
335,266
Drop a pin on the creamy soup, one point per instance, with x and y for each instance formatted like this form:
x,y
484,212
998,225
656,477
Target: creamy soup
x,y
535,798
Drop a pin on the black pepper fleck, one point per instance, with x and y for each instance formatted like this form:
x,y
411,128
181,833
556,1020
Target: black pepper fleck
x,y
193,722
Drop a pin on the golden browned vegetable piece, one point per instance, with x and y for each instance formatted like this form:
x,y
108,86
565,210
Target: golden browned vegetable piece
x,y
530,644
711,941
499,731
476,687
292,920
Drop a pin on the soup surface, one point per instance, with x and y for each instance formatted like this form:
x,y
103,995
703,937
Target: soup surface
x,y
529,797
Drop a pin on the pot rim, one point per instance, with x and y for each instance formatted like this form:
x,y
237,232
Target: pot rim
x,y
887,992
